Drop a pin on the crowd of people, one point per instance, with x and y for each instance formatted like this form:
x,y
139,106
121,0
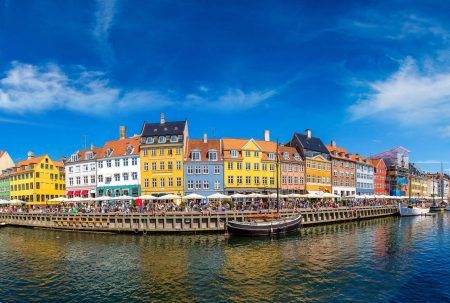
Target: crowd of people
x,y
194,206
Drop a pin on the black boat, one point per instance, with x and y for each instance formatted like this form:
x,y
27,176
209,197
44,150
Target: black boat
x,y
258,227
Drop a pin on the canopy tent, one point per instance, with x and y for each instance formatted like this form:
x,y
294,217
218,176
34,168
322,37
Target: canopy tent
x,y
193,196
102,198
218,196
122,198
330,195
58,199
295,196
4,202
16,202
169,197
314,195
256,195
42,203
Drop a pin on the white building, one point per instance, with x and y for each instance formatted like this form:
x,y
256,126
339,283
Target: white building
x,y
118,167
81,176
5,161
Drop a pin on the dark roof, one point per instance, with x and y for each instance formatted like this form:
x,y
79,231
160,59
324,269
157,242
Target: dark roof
x,y
158,129
313,143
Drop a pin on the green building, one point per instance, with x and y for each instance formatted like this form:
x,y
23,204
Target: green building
x,y
4,186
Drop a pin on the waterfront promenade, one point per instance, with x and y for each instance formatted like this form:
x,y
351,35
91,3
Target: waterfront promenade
x,y
181,221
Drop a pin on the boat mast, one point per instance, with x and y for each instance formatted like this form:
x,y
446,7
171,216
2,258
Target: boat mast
x,y
442,182
278,185
410,183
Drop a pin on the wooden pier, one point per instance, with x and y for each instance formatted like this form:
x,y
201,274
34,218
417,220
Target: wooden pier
x,y
178,222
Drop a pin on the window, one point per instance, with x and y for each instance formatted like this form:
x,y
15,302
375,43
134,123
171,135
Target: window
x,y
205,170
248,180
212,156
154,182
170,165
85,180
230,180
125,176
78,180
108,163
198,184
271,156
205,184
189,170
145,182
169,151
256,154
216,185
247,166
153,150
178,165
174,139
230,165
178,150
264,180
198,170
179,181
134,175
170,182
161,139
217,169
117,177
108,152
100,178
162,182
239,165
256,166
264,167
125,162
149,140
239,180
234,153
153,166
145,166
190,184
195,155
70,181
247,153
272,167
283,180
100,164
145,152
162,165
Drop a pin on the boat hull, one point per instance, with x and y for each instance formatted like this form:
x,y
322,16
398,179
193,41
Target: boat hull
x,y
278,227
413,211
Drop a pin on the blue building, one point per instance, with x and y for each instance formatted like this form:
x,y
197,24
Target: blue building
x,y
365,174
203,167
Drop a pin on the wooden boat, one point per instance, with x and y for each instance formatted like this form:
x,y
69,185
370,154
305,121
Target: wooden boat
x,y
265,227
2,224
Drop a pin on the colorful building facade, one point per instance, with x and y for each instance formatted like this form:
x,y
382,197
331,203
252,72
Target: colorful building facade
x,y
249,165
380,181
364,175
317,161
419,182
81,173
118,167
37,179
292,170
397,163
5,193
343,171
162,153
5,161
203,166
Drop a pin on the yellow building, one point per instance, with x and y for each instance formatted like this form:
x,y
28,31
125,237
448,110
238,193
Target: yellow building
x,y
317,160
162,150
37,179
419,182
249,165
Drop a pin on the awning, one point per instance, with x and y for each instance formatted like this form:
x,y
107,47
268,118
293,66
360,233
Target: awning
x,y
70,192
84,192
77,192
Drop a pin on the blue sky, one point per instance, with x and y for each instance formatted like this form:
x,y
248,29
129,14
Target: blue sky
x,y
371,75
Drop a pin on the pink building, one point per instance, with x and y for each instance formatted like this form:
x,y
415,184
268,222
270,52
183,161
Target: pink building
x,y
292,170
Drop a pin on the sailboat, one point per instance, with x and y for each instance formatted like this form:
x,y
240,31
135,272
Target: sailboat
x,y
410,210
439,206
266,224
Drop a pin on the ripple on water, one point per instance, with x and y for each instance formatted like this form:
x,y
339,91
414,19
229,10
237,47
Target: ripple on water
x,y
386,259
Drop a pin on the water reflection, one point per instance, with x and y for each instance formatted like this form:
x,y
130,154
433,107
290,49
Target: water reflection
x,y
385,259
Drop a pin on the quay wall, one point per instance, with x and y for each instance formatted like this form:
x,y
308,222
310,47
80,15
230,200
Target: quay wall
x,y
178,222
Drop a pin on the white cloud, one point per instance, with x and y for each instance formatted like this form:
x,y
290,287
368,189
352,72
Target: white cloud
x,y
409,96
30,89
233,99
104,20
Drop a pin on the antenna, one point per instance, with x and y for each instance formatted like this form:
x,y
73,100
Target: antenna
x,y
85,141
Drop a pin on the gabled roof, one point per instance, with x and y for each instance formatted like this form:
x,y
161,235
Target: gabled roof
x,y
313,143
229,144
338,151
168,128
119,147
291,152
200,145
82,154
36,160
360,159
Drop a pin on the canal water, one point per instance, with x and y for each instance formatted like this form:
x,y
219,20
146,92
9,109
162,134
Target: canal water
x,y
381,260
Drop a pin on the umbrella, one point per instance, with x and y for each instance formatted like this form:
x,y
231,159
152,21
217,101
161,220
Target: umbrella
x,y
169,197
102,198
274,196
330,195
58,199
3,202
16,202
147,197
218,196
123,197
238,196
295,196
193,197
314,195
256,195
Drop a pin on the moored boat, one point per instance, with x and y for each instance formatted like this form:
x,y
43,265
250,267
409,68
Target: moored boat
x,y
264,227
410,210
2,224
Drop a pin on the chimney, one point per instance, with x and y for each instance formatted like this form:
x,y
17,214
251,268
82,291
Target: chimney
x,y
333,143
122,132
30,155
266,135
308,133
163,118
92,146
63,159
205,138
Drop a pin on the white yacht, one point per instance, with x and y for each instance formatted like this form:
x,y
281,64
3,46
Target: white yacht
x,y
412,210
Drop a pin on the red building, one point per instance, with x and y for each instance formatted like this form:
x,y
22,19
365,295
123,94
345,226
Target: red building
x,y
381,184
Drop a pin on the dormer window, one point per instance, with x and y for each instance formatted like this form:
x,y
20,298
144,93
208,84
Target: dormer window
x,y
195,156
286,156
271,156
150,140
89,155
74,158
174,139
161,139
297,157
234,153
130,149
108,152
212,155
